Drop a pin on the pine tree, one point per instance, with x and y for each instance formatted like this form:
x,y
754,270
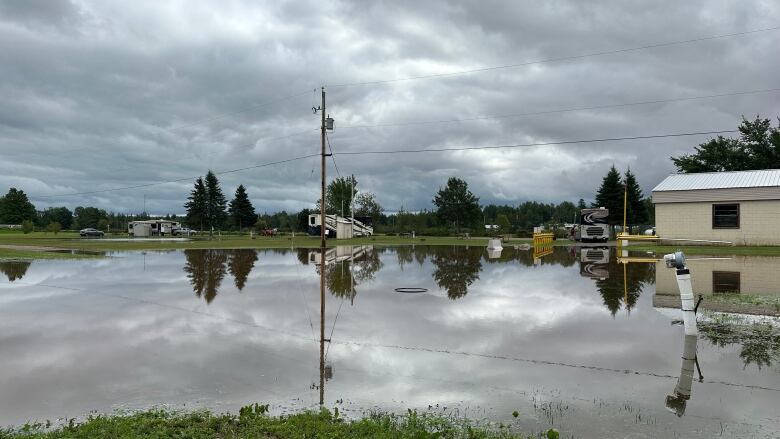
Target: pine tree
x,y
215,203
196,205
242,213
636,211
610,195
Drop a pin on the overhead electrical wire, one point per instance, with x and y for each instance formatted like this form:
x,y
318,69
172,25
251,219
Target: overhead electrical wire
x,y
555,59
196,123
405,151
262,165
562,110
523,145
332,156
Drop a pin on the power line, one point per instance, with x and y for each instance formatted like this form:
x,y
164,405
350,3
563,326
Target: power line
x,y
332,156
407,151
178,179
522,145
200,122
563,110
557,59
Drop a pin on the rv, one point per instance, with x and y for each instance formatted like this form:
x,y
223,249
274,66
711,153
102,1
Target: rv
x,y
593,226
340,227
143,229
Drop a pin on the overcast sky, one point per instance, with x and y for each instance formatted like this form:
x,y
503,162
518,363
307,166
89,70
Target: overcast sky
x,y
102,95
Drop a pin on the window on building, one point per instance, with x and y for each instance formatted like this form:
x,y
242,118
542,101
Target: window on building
x,y
725,282
725,216
311,220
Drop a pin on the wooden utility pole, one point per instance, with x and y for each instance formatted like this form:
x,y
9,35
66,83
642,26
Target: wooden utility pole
x,y
322,259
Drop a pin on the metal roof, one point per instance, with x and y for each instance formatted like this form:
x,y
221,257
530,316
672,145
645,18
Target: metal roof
x,y
720,180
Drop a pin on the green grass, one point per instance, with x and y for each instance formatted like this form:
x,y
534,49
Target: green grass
x,y
746,299
252,422
708,249
26,255
70,240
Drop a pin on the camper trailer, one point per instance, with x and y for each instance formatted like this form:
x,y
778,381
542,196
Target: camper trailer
x,y
593,226
149,228
341,227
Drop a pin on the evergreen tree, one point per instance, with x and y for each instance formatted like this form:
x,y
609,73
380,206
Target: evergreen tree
x,y
610,196
197,211
581,204
16,208
457,205
636,211
242,213
215,203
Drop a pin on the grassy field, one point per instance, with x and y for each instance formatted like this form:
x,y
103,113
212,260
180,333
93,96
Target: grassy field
x,y
39,245
251,422
708,250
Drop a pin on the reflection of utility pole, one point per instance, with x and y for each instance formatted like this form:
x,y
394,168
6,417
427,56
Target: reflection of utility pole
x,y
323,227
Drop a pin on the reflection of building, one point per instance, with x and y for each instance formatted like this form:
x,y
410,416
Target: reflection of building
x,y
740,207
736,275
594,262
340,253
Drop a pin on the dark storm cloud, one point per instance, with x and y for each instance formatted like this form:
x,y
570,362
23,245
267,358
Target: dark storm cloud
x,y
98,95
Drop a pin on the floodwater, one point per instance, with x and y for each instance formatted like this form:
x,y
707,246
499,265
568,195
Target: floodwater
x,y
571,338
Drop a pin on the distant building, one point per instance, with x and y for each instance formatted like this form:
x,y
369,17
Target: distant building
x,y
742,207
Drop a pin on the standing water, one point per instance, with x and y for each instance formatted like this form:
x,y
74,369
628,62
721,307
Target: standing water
x,y
573,339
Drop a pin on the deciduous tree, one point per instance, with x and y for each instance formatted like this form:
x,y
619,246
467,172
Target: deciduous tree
x,y
15,207
758,147
457,205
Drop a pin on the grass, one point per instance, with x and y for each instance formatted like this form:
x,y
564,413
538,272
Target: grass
x,y
709,249
746,299
34,242
253,422
7,254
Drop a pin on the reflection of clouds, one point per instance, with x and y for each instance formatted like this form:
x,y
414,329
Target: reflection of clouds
x,y
159,343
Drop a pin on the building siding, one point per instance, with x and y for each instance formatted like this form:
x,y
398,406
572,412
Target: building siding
x,y
759,222
732,194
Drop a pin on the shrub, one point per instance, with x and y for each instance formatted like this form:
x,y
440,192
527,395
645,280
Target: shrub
x,y
54,227
27,226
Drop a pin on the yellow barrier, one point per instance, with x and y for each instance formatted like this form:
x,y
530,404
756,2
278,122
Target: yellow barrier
x,y
542,239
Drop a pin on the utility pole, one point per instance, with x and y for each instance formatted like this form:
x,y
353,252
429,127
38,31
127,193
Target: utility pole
x,y
322,258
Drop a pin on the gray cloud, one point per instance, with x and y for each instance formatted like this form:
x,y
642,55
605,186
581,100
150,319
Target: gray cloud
x,y
97,95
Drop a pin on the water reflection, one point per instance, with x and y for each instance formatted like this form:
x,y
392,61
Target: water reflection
x,y
14,270
537,339
207,268
456,269
759,342
677,402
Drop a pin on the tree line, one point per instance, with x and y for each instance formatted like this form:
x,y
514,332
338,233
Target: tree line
x,y
456,208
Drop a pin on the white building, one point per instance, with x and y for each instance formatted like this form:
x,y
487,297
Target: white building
x,y
741,207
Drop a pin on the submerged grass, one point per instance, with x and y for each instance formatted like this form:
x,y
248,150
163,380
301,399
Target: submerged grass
x,y
7,254
35,242
709,250
253,422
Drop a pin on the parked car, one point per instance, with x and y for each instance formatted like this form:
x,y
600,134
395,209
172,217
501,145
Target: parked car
x,y
650,231
91,232
186,231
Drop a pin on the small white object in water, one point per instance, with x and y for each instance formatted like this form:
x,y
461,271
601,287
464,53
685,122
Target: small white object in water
x,y
494,244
